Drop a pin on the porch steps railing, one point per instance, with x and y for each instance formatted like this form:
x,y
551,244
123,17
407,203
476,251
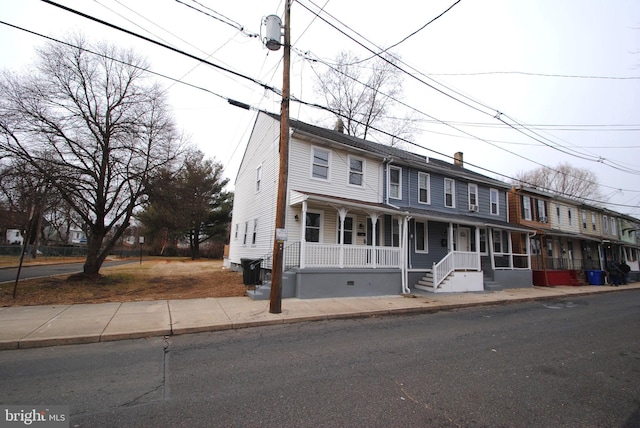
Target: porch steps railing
x,y
427,283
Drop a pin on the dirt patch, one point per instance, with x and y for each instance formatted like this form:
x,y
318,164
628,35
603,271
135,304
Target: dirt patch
x,y
151,280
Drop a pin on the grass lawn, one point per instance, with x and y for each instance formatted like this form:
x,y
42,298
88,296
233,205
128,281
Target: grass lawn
x,y
156,279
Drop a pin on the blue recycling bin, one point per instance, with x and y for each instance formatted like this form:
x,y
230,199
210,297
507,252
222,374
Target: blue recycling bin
x,y
595,277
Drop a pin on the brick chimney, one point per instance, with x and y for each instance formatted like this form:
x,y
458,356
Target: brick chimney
x,y
457,159
339,126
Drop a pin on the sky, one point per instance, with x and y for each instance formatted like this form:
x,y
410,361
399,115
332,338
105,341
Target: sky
x,y
565,74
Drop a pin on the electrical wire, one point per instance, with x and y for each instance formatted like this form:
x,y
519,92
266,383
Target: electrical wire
x,y
261,84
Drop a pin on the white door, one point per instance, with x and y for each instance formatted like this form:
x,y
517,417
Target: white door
x,y
464,240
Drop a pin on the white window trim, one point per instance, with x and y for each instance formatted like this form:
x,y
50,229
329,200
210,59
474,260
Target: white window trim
x,y
399,169
426,237
324,180
321,232
254,233
353,228
364,168
258,178
469,193
453,193
526,207
497,193
424,174
605,224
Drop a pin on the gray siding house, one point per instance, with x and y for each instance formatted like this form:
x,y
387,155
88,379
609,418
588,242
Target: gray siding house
x,y
368,219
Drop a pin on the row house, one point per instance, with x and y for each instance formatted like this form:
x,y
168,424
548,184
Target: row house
x,y
571,238
369,219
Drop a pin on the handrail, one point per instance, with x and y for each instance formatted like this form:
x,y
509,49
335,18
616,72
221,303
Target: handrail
x,y
442,269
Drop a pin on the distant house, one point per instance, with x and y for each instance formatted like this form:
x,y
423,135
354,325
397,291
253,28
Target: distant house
x,y
368,219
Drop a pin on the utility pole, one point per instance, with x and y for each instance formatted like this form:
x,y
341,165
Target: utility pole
x,y
275,302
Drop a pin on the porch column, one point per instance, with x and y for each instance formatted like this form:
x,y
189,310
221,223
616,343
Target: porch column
x,y
528,250
492,255
510,251
343,213
374,252
450,245
403,255
478,249
303,237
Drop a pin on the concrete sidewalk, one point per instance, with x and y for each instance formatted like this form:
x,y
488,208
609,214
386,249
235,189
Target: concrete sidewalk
x,y
38,326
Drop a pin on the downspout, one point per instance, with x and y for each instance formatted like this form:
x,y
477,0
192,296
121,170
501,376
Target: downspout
x,y
405,257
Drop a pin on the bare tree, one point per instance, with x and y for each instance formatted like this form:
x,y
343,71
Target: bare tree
x,y
87,121
364,94
563,179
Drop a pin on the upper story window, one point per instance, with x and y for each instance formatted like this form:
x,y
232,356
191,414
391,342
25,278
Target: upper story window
x,y
449,192
246,230
593,221
320,163
570,216
526,207
584,219
356,171
542,211
605,224
424,188
473,197
395,182
559,215
614,229
258,178
236,232
495,201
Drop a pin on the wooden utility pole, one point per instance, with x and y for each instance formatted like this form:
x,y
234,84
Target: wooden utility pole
x,y
275,302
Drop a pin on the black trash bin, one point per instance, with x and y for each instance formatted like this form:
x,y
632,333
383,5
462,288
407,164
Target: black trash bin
x,y
250,271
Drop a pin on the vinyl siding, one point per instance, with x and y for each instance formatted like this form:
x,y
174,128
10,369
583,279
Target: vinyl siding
x,y
262,149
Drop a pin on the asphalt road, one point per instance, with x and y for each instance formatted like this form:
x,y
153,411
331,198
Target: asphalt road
x,y
564,363
38,271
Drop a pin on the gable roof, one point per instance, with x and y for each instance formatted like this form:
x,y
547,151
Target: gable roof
x,y
393,154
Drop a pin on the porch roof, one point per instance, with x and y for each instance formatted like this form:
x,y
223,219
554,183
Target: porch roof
x,y
296,197
465,219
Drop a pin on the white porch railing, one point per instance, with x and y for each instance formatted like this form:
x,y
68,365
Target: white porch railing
x,y
350,256
456,260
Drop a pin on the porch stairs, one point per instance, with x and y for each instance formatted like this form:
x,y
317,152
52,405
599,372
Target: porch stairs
x,y
426,282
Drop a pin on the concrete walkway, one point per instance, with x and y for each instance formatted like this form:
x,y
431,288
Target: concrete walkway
x,y
38,326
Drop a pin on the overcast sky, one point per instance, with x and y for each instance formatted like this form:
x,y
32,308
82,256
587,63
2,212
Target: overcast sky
x,y
569,70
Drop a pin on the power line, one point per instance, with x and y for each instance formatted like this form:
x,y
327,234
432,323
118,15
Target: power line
x,y
219,17
243,105
528,73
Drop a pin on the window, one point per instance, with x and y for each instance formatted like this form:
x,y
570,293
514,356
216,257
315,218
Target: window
x,y
236,232
559,216
421,237
312,227
584,219
605,224
320,163
483,241
495,201
449,192
356,171
246,230
424,188
614,229
499,241
593,221
348,230
395,233
570,216
258,178
542,211
473,197
255,231
395,182
549,248
526,208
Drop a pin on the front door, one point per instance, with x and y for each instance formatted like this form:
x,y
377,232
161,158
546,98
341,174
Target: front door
x,y
464,239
